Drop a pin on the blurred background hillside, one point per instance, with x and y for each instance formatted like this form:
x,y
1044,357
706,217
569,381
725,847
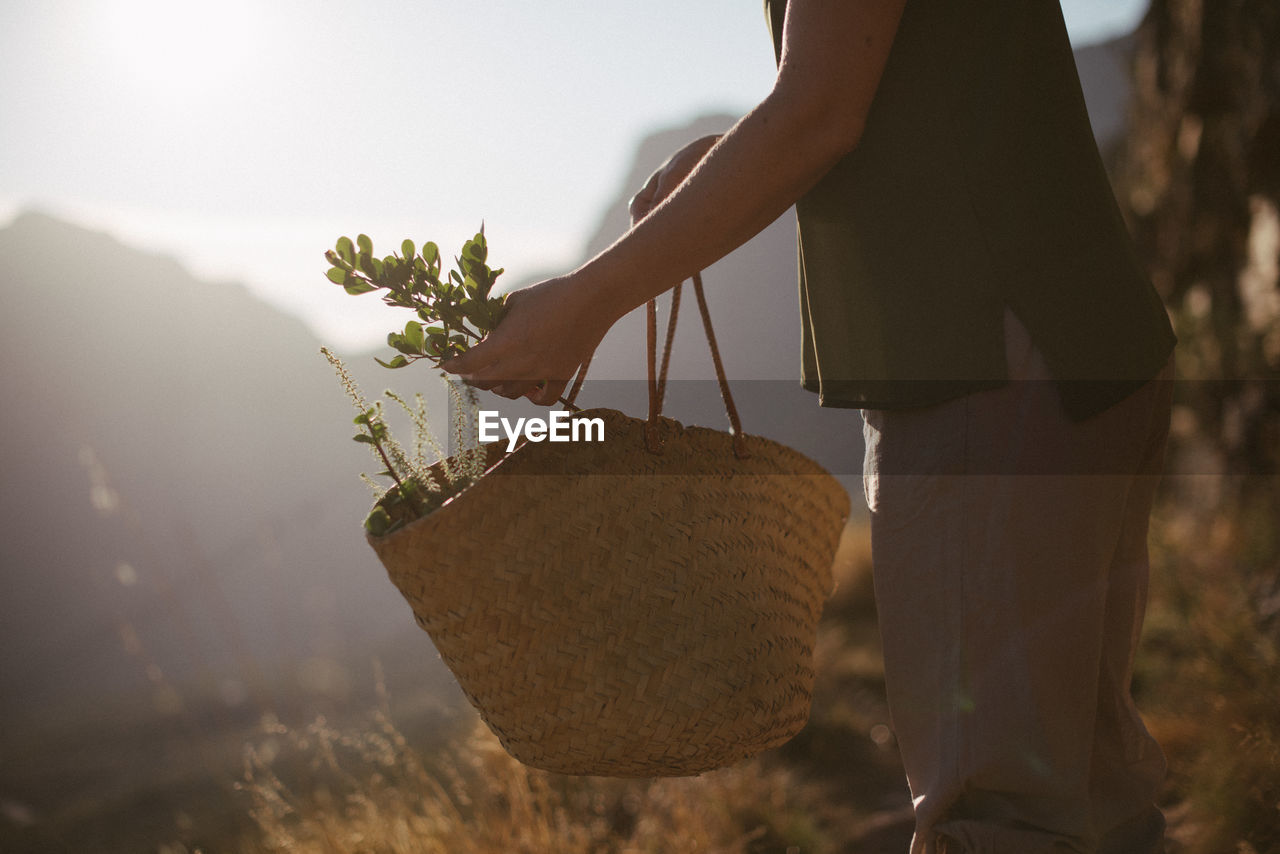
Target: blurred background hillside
x,y
181,549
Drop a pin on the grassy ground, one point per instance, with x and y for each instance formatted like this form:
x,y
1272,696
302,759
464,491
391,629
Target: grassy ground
x,y
837,787
369,777
1208,675
400,774
1208,679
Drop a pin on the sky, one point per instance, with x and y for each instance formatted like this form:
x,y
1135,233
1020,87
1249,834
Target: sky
x,y
244,136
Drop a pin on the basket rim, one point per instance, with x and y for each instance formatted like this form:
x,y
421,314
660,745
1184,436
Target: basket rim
x,y
764,443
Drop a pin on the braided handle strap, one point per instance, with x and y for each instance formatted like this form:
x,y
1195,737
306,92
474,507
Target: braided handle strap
x,y
658,379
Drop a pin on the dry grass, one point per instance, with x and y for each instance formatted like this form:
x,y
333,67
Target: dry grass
x,y
370,791
327,791
1209,671
1208,681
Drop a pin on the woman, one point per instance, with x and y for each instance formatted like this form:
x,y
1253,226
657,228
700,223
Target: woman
x,y
966,281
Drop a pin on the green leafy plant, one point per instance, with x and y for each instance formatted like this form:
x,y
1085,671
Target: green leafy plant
x,y
456,308
453,311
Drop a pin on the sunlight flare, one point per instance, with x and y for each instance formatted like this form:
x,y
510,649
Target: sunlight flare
x,y
173,48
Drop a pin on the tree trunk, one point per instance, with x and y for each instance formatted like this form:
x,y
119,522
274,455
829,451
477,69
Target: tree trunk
x,y
1199,179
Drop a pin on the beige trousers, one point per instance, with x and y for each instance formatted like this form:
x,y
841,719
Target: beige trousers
x,y
1010,558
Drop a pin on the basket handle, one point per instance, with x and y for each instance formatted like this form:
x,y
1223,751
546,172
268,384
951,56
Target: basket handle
x,y
658,379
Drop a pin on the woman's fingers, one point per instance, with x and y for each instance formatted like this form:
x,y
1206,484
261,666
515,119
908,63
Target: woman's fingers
x,y
504,378
548,393
513,390
470,362
481,384
643,201
668,176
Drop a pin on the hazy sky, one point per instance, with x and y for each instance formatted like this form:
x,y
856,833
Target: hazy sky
x,y
244,136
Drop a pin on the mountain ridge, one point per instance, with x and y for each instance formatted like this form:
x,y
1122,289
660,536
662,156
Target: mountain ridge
x,y
124,359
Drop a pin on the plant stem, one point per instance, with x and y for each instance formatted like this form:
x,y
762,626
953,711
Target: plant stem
x,y
390,468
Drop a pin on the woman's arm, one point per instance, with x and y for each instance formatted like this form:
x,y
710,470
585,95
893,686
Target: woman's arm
x,y
833,54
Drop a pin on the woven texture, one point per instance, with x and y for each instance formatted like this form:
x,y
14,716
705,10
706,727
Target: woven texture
x,y
611,611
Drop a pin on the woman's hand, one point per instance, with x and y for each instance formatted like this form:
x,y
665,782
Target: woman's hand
x,y
669,175
548,331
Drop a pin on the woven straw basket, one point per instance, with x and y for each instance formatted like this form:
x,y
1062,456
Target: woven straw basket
x,y
642,606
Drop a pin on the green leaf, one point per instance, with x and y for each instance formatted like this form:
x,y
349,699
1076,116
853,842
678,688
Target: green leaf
x,y
346,250
397,362
358,287
364,439
337,275
474,312
366,245
413,335
449,314
378,522
402,343
431,254
397,273
408,250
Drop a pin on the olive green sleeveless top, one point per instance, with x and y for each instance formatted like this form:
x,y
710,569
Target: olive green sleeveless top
x,y
976,185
